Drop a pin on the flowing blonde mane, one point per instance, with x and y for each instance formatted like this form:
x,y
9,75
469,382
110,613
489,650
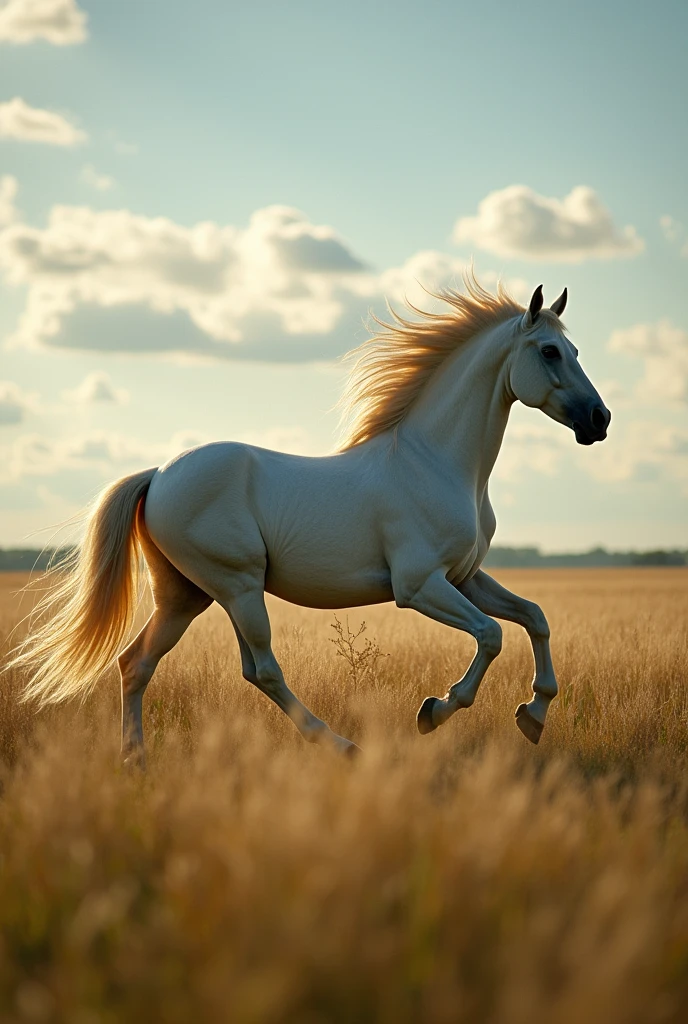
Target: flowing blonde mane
x,y
391,368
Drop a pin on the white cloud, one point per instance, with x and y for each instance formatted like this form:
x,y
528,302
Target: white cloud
x,y
533,447
300,245
60,22
108,454
643,452
32,124
433,270
281,289
638,451
517,222
674,231
8,192
120,145
293,440
663,348
14,403
95,388
671,228
91,177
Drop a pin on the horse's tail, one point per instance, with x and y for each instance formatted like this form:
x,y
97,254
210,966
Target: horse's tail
x,y
88,612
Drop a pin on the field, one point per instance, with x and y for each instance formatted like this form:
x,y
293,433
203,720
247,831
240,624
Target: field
x,y
465,876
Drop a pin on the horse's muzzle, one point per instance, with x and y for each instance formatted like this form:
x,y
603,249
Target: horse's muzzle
x,y
591,425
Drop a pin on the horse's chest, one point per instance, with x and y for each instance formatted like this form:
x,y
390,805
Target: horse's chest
x,y
466,560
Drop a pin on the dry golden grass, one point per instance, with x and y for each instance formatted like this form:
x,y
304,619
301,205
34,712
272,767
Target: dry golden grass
x,y
462,876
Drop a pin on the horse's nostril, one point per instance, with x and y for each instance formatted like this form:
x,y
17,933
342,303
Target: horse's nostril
x,y
598,418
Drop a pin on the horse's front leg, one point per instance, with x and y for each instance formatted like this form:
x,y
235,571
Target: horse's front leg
x,y
438,599
494,599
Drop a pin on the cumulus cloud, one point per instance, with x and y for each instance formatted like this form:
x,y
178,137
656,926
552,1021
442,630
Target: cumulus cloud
x,y
516,222
14,403
293,440
32,124
114,258
61,22
639,451
675,232
95,388
672,229
94,179
100,453
644,452
104,452
433,271
37,455
8,192
663,348
531,447
300,245
281,289
120,145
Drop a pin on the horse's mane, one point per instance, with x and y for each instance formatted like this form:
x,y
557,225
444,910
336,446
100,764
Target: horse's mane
x,y
391,368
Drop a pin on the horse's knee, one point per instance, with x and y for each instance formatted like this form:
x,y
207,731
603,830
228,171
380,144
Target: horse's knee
x,y
538,627
489,638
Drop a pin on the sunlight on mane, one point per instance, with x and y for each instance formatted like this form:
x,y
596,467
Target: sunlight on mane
x,y
390,369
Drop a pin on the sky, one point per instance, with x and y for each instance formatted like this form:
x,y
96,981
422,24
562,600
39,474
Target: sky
x,y
201,204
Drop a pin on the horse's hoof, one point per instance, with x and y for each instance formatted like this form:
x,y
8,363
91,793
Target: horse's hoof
x,y
529,726
352,752
424,717
134,762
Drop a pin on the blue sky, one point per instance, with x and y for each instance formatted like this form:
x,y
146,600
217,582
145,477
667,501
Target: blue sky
x,y
159,289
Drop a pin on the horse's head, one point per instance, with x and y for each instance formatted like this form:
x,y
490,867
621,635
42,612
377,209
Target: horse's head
x,y
545,373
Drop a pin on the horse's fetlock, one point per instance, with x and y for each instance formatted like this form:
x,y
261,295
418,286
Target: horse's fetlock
x,y
314,731
546,687
461,698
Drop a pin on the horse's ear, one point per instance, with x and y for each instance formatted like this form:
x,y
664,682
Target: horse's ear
x,y
559,305
531,314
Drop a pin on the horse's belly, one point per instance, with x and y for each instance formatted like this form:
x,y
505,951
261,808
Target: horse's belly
x,y
323,590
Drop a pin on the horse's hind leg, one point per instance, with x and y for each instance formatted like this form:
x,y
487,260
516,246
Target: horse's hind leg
x,y
248,665
177,603
250,620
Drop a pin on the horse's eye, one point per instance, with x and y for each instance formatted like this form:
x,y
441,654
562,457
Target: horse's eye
x,y
551,352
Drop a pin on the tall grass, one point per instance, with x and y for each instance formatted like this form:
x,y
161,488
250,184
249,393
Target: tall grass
x,y
461,876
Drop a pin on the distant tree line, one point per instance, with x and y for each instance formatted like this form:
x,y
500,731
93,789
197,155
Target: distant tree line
x,y
523,558
27,559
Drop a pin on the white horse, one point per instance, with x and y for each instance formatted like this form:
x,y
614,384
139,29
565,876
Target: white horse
x,y
400,513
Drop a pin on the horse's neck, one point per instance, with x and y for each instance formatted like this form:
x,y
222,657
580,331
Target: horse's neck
x,y
464,409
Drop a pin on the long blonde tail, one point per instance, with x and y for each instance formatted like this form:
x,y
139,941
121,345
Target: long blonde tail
x,y
87,614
